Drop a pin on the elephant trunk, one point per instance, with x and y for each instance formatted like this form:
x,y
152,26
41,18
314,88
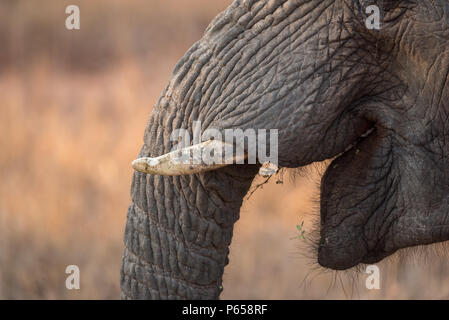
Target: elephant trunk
x,y
179,228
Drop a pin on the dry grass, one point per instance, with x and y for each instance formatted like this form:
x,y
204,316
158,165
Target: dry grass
x,y
73,110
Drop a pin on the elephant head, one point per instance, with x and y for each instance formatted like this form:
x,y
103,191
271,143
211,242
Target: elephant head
x,y
374,101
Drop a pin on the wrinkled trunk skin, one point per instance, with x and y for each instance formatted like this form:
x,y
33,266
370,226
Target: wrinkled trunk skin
x,y
178,232
179,229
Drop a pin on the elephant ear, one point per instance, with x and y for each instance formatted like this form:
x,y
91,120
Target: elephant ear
x,y
383,195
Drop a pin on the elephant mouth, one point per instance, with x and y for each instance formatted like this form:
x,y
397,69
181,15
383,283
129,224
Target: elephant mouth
x,y
346,208
357,142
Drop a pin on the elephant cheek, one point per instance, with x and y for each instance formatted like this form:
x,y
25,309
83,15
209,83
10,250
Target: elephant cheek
x,y
424,203
356,202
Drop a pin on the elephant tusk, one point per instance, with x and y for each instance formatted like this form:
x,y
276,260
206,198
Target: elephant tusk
x,y
188,160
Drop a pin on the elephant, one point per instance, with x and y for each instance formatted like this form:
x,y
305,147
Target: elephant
x,y
374,102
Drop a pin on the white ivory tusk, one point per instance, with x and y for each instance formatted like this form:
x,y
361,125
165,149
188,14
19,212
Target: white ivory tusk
x,y
186,161
190,161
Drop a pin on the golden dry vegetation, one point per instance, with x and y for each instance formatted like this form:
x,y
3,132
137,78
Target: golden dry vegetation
x,y
73,109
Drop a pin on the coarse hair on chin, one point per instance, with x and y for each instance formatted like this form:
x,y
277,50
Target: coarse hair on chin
x,y
432,258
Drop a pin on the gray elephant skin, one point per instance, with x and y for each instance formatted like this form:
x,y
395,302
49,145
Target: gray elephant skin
x,y
376,102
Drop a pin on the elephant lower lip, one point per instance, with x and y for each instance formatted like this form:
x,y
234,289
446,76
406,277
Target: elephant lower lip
x,y
343,244
341,258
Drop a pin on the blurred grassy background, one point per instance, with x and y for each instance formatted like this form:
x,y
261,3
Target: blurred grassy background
x,y
73,109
